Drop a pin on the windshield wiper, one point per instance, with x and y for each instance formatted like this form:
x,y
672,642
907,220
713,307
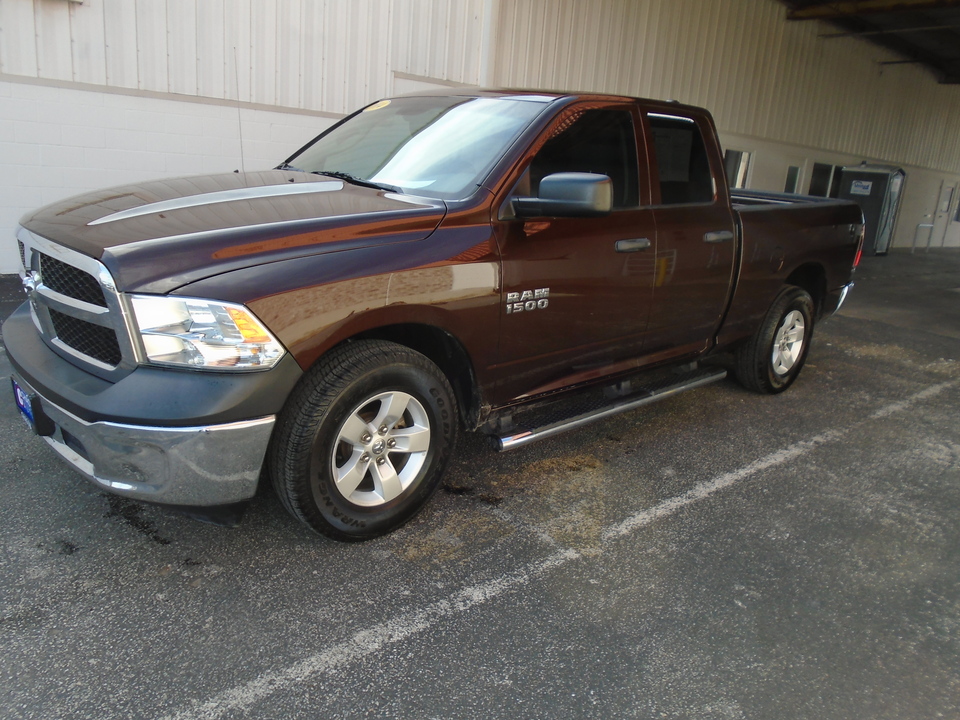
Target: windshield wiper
x,y
354,180
287,166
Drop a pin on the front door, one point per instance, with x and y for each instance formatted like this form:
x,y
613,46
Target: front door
x,y
576,291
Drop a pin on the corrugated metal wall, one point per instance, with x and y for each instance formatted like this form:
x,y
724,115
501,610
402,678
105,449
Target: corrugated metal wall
x,y
325,55
759,75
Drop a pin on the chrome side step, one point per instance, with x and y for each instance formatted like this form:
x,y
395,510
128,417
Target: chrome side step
x,y
591,411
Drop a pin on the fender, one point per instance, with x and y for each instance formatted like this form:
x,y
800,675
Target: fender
x,y
313,304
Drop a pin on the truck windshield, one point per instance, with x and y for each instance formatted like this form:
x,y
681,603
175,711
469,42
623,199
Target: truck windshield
x,y
440,147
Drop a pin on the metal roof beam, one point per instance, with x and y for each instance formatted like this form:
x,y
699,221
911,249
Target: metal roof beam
x,y
848,8
896,31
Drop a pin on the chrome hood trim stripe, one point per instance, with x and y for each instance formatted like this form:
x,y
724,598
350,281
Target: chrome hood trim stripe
x,y
303,224
224,196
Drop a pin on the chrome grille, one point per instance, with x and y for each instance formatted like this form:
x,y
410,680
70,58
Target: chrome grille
x,y
70,281
97,341
76,307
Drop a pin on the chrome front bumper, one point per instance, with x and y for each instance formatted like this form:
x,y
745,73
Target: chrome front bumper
x,y
193,466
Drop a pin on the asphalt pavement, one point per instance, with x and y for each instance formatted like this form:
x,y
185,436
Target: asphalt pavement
x,y
717,555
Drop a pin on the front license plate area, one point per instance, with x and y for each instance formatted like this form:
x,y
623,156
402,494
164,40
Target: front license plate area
x,y
25,404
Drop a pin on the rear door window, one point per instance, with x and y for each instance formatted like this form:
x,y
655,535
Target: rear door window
x,y
681,158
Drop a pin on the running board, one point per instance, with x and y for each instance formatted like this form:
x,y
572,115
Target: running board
x,y
582,413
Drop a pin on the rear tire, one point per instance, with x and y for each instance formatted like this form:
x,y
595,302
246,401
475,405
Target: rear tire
x,y
363,441
772,359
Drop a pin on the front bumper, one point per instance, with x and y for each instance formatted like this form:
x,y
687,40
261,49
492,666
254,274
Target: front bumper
x,y
174,437
193,466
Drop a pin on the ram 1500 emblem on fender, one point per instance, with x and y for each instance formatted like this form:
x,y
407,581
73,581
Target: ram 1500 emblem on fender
x,y
528,300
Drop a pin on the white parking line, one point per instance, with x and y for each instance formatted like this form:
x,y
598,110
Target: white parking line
x,y
405,625
370,641
705,489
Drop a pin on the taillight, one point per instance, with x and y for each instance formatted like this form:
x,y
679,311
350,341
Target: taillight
x,y
859,255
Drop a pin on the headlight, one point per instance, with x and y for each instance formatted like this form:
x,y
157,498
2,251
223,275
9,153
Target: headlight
x,y
203,334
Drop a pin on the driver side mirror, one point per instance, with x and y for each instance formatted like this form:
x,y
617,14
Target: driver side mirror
x,y
568,194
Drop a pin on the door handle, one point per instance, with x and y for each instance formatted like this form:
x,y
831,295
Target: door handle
x,y
625,246
717,236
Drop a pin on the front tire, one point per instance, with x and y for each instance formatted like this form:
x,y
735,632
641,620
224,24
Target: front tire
x,y
772,359
363,441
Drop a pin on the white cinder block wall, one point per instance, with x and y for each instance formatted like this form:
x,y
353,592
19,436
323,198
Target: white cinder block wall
x,y
56,142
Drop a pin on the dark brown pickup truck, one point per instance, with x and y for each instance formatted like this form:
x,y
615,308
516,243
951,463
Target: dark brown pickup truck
x,y
512,262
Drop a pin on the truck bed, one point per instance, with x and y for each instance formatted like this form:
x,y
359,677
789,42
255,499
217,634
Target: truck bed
x,y
743,199
783,233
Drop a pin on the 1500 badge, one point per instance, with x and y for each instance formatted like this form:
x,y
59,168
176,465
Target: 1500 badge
x,y
528,300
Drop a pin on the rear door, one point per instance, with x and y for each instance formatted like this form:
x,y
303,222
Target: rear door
x,y
696,234
576,291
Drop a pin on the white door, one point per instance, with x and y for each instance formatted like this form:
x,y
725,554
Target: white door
x,y
941,219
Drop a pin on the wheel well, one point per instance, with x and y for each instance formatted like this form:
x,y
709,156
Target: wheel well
x,y
443,350
813,279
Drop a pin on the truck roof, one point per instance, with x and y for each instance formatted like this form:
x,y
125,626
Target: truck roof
x,y
547,96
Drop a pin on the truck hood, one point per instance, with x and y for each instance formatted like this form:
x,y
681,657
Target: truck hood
x,y
157,236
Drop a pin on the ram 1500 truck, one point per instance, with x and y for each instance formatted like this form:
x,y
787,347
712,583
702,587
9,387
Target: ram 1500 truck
x,y
517,263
